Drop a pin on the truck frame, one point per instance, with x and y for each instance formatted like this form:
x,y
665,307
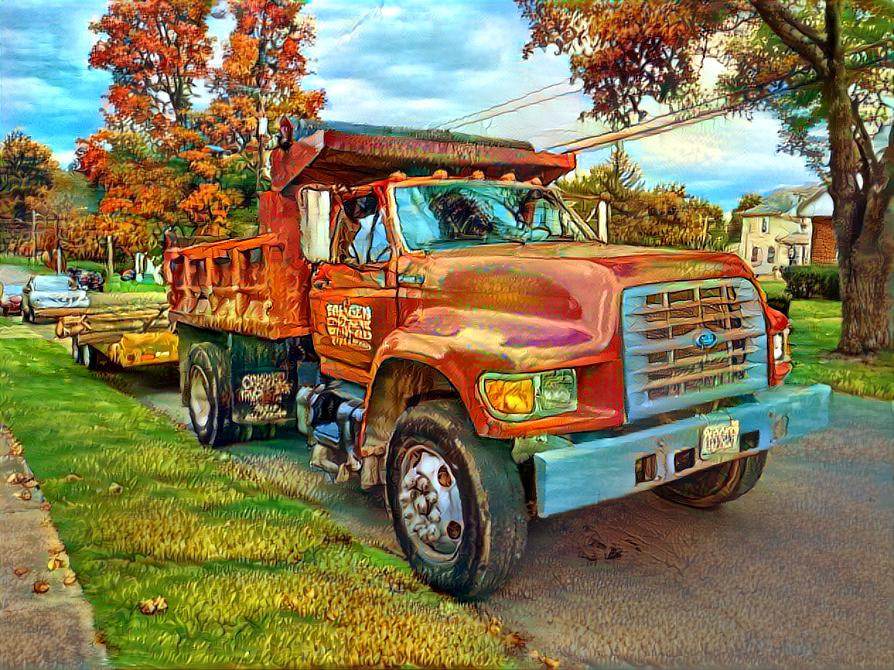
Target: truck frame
x,y
425,309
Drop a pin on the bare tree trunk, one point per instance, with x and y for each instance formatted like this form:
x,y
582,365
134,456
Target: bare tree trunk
x,y
865,303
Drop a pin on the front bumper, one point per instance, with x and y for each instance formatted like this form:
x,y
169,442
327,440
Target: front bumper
x,y
598,467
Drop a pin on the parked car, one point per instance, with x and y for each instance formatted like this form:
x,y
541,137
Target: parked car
x,y
11,299
58,293
87,279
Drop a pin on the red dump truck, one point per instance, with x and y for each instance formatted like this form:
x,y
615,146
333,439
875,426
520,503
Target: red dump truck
x,y
428,312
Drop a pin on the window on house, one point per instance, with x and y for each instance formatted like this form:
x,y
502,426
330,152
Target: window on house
x,y
771,254
765,225
755,255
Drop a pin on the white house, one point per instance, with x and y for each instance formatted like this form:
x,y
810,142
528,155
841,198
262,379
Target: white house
x,y
774,234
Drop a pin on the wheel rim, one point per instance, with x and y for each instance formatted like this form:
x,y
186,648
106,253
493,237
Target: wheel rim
x,y
85,355
430,504
74,349
198,397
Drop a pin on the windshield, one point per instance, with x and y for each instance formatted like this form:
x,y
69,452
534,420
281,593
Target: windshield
x,y
53,283
467,213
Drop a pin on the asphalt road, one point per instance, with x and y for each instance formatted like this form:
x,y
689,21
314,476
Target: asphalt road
x,y
799,573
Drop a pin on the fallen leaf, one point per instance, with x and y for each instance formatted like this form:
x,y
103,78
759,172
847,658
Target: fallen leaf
x,y
70,578
56,548
24,494
21,572
31,483
494,627
17,478
15,449
45,506
70,479
153,606
115,488
40,587
548,663
57,562
515,640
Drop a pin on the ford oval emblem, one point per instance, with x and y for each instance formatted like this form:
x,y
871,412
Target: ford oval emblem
x,y
706,340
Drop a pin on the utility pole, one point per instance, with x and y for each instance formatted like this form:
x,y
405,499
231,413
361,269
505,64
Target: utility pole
x,y
33,235
110,260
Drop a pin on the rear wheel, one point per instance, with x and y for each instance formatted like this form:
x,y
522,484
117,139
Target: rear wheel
x,y
717,485
456,500
210,395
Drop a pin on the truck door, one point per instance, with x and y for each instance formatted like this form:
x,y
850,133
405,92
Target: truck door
x,y
353,297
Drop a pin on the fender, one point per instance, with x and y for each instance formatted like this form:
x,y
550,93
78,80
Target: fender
x,y
463,344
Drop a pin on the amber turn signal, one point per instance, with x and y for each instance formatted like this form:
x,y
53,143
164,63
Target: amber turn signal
x,y
510,396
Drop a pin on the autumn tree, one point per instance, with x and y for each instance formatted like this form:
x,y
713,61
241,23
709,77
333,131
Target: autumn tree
x,y
156,52
260,78
26,170
614,179
824,67
662,216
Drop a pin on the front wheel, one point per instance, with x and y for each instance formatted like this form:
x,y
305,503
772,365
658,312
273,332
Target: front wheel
x,y
717,485
456,500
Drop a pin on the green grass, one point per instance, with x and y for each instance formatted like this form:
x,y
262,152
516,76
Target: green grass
x,y
773,288
115,285
251,578
816,327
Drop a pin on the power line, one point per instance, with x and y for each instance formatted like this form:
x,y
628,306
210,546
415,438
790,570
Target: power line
x,y
517,108
503,104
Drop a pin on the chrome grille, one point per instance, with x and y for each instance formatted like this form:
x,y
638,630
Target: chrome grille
x,y
686,343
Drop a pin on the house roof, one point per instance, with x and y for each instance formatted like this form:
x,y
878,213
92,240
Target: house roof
x,y
794,239
785,201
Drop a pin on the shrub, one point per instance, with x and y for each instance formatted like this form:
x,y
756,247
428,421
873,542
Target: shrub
x,y
812,281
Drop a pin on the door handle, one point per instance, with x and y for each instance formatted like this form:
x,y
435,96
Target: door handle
x,y
321,283
418,280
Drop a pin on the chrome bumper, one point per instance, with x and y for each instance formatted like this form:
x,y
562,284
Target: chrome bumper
x,y
598,467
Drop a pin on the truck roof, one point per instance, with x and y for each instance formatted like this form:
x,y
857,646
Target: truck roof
x,y
347,154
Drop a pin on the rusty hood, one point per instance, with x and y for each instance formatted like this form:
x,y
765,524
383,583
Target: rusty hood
x,y
544,304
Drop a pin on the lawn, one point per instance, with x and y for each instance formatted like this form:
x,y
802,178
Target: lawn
x,y
115,285
250,577
816,326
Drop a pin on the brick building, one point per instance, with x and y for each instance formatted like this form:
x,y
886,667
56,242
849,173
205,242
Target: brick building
x,y
818,208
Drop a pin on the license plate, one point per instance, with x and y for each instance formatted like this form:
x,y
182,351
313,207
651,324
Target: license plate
x,y
720,437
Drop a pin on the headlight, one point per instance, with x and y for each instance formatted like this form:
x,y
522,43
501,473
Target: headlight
x,y
516,397
780,346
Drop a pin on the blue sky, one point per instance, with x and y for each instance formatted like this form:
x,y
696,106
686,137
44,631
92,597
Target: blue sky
x,y
408,62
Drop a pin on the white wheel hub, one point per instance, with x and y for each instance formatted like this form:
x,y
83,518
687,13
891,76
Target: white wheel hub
x,y
430,503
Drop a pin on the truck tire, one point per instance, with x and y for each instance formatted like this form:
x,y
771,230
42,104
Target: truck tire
x,y
210,395
456,500
717,485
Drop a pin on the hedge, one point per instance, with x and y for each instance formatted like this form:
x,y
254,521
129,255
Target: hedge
x,y
812,281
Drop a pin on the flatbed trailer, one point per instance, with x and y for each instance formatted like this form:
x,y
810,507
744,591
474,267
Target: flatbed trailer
x,y
127,335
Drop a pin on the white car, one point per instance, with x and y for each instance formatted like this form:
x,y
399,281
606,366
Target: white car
x,y
51,292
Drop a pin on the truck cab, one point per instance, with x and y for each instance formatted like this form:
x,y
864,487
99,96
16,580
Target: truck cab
x,y
426,310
